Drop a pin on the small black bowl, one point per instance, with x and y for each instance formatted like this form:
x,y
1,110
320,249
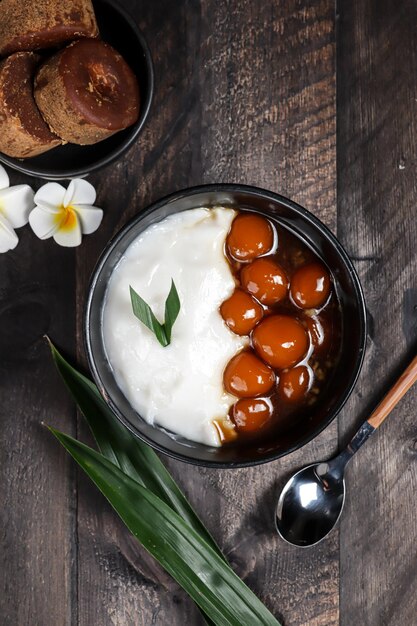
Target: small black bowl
x,y
119,29
308,228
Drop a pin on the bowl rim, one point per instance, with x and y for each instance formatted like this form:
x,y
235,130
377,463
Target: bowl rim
x,y
259,192
19,165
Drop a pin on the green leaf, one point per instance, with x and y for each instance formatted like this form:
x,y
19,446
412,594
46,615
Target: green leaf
x,y
172,308
121,447
212,584
144,313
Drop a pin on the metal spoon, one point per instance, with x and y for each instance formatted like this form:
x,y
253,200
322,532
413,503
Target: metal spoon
x,y
312,500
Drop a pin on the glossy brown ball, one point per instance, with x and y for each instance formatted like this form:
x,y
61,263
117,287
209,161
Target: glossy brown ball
x,y
241,312
251,414
294,383
310,286
266,280
320,333
281,341
246,376
250,236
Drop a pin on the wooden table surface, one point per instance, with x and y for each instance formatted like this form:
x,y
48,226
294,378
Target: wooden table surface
x,y
318,103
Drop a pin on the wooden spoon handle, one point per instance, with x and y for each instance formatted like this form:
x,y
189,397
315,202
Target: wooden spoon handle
x,y
394,395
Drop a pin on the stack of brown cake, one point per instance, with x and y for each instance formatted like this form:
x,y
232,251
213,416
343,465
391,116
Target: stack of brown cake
x,y
81,94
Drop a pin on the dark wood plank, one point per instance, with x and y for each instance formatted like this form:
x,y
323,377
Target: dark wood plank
x,y
268,80
37,518
119,583
377,156
245,93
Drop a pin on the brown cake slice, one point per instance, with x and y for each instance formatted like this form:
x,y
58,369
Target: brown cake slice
x,y
87,92
35,24
23,132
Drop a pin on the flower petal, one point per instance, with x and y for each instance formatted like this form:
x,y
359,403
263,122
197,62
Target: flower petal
x,y
44,223
90,218
16,203
79,192
50,197
8,238
4,178
69,236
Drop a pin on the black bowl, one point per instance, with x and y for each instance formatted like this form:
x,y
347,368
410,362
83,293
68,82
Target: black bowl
x,y
119,29
320,239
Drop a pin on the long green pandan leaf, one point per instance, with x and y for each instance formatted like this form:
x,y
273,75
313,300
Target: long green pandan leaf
x,y
121,447
134,458
204,575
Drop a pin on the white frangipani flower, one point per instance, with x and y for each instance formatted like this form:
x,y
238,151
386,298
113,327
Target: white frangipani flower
x,y
65,214
15,205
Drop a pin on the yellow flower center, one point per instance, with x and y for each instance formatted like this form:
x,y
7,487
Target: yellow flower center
x,y
66,218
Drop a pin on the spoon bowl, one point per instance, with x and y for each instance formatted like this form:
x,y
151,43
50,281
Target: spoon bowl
x,y
310,505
